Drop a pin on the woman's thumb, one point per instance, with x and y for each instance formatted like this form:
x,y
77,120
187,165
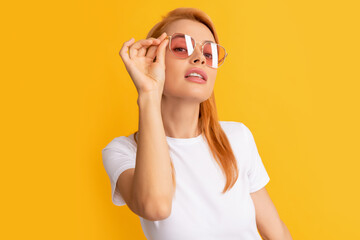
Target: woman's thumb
x,y
160,53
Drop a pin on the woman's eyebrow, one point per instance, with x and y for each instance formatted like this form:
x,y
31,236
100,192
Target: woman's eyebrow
x,y
207,41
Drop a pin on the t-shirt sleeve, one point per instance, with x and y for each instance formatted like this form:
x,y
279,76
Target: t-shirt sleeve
x,y
257,174
117,157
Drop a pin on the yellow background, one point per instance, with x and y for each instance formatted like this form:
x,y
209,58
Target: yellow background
x,y
292,76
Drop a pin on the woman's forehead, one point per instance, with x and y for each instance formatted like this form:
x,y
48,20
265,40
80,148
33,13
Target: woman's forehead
x,y
198,31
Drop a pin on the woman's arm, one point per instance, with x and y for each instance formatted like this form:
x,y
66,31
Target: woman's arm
x,y
268,222
149,187
152,183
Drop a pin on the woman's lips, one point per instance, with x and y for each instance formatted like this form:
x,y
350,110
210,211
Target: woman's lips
x,y
195,79
198,71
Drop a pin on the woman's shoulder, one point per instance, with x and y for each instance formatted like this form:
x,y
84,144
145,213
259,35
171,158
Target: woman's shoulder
x,y
235,128
232,125
122,142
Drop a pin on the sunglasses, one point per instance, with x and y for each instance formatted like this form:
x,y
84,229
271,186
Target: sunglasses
x,y
182,46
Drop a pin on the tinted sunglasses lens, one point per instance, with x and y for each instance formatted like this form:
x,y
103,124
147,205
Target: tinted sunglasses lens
x,y
182,45
214,54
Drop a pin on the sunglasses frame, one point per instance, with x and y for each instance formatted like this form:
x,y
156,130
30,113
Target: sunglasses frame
x,y
202,48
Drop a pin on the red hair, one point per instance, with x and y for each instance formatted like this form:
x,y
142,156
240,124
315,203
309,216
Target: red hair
x,y
208,120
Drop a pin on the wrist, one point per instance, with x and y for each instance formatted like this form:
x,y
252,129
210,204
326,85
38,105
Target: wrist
x,y
148,98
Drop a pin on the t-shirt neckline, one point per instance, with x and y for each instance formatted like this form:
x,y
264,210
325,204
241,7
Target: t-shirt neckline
x,y
184,140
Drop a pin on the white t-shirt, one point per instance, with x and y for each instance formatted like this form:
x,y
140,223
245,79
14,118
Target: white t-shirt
x,y
199,209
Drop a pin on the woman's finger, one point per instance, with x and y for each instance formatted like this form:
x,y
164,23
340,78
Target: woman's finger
x,y
151,53
162,36
124,50
136,46
160,53
142,50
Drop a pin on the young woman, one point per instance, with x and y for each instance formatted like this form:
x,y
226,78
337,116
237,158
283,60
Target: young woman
x,y
186,174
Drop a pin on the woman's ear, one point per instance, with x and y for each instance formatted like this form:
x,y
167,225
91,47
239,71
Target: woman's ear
x,y
154,59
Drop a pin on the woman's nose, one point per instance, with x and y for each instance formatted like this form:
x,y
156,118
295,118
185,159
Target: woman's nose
x,y
197,56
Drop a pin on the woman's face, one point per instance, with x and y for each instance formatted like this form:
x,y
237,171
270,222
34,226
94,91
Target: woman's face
x,y
176,85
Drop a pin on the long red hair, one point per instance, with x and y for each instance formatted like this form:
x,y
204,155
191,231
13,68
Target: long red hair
x,y
208,120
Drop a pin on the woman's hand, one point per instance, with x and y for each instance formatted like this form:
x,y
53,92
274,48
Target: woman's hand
x,y
148,75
